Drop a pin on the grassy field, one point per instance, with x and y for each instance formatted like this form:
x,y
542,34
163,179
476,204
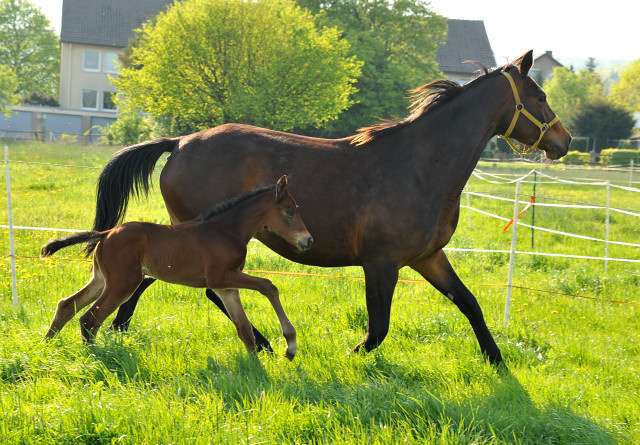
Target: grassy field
x,y
181,375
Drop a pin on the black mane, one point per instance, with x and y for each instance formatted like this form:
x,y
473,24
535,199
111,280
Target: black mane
x,y
423,99
232,202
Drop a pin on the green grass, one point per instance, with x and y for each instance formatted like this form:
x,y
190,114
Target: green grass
x,y
181,375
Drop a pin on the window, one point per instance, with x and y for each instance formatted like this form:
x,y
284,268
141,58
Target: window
x,y
109,61
90,99
91,60
108,98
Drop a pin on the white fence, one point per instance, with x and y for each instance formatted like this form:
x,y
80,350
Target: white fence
x,y
531,177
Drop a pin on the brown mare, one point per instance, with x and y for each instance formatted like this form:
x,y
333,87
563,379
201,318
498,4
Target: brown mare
x,y
208,252
386,198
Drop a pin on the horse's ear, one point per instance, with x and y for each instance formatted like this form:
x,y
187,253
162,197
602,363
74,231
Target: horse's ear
x,y
524,63
281,187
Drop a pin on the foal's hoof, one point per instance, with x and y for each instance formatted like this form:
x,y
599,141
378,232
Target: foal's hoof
x,y
290,355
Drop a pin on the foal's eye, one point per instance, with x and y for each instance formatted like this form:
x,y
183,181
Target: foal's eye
x,y
542,99
290,213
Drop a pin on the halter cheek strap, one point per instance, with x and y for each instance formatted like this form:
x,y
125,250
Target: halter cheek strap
x,y
521,109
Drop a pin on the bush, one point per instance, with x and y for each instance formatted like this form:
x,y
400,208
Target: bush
x,y
129,129
615,156
577,157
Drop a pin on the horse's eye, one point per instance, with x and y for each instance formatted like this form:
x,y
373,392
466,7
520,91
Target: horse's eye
x,y
542,99
290,213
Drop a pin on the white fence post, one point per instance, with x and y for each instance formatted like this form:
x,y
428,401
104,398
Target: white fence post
x,y
512,256
14,284
631,173
468,204
606,223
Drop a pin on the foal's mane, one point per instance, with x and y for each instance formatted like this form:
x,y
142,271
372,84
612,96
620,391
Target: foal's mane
x,y
232,202
423,99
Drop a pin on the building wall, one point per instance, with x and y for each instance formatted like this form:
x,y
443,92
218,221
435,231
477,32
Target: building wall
x,y
50,123
79,76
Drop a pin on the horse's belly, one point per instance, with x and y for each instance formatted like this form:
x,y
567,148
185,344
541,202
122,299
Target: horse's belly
x,y
172,275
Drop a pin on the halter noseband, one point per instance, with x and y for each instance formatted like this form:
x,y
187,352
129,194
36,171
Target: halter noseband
x,y
520,109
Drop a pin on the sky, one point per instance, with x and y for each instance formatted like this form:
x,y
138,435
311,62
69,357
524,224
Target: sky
x,y
573,30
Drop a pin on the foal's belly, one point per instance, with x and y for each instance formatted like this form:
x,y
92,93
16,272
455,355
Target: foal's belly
x,y
172,275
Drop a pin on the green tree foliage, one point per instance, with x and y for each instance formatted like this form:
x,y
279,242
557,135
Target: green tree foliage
x,y
130,127
603,121
8,86
207,62
566,90
398,42
29,47
626,92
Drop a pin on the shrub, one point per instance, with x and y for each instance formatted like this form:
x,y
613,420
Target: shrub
x,y
615,156
577,157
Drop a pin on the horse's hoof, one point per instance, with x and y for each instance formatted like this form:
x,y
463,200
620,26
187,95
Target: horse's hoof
x,y
290,356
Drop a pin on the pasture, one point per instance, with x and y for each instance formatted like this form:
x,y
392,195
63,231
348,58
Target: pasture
x,y
181,375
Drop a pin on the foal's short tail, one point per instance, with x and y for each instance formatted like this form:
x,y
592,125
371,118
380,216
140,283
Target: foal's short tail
x,y
82,237
128,173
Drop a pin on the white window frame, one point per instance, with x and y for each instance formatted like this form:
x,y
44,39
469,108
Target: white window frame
x,y
84,90
108,110
84,60
104,64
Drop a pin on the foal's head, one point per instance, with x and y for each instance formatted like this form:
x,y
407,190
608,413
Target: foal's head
x,y
284,219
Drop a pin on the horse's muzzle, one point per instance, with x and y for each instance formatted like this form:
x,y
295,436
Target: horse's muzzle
x,y
305,243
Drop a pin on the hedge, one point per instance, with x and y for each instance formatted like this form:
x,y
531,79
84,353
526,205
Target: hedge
x,y
616,156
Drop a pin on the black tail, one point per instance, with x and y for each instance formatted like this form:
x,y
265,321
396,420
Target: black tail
x,y
76,238
126,174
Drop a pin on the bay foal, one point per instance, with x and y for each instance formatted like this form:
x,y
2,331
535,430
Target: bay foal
x,y
208,252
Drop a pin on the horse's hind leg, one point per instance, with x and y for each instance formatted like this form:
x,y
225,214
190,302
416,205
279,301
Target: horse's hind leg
x,y
117,290
231,301
125,312
438,271
261,342
70,306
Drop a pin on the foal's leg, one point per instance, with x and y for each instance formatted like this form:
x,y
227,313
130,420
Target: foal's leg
x,y
70,306
266,288
125,312
261,341
117,290
438,271
231,300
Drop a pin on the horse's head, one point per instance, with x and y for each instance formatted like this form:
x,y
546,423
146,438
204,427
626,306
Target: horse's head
x,y
531,121
284,218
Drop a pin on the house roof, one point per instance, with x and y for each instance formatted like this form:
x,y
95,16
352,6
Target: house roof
x,y
106,22
466,40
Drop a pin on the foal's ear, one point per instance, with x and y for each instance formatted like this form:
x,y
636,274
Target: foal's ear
x,y
281,187
524,63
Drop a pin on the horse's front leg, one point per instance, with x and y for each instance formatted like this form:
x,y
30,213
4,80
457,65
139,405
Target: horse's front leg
x,y
265,287
381,277
438,271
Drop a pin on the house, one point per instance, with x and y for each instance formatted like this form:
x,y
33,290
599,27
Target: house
x,y
543,65
93,35
467,40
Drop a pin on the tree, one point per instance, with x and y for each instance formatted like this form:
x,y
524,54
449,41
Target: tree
x,y
8,85
626,92
207,62
29,47
566,90
601,120
398,42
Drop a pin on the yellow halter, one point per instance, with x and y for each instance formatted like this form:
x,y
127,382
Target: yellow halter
x,y
520,109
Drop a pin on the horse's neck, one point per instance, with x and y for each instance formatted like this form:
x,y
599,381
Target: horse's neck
x,y
248,217
455,134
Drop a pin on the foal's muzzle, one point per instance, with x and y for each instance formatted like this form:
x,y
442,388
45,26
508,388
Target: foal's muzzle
x,y
305,243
